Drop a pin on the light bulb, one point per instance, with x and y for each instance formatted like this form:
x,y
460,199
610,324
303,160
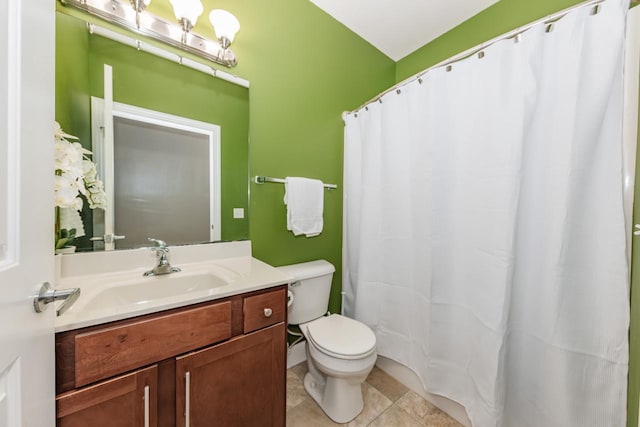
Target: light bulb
x,y
224,24
187,9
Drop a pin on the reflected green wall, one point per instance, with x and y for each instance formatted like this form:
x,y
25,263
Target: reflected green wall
x,y
150,82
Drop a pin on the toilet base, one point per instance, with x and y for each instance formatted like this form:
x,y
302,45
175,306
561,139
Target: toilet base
x,y
335,383
340,398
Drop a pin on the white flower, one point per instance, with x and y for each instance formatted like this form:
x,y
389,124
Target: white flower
x,y
75,174
59,134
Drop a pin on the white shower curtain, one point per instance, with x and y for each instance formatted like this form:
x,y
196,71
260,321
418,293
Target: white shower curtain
x,y
484,226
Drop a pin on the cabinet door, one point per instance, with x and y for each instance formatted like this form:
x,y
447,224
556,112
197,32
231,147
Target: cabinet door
x,y
123,401
237,383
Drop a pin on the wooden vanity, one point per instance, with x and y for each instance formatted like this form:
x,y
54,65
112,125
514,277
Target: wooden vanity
x,y
216,363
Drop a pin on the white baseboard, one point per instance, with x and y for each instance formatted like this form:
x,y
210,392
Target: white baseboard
x,y
297,354
406,376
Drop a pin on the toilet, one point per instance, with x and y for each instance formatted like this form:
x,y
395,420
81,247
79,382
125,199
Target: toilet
x,y
340,351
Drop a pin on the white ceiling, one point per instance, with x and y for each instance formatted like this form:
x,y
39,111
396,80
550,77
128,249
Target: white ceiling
x,y
398,27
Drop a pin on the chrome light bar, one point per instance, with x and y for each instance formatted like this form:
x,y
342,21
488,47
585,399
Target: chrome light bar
x,y
121,13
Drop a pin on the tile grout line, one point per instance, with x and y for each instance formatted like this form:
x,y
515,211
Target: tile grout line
x,y
414,417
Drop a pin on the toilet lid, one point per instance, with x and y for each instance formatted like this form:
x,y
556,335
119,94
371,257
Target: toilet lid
x,y
341,336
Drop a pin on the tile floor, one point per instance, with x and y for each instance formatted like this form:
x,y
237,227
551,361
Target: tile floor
x,y
387,403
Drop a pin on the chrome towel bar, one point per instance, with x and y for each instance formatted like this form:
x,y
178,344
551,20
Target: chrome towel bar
x,y
262,179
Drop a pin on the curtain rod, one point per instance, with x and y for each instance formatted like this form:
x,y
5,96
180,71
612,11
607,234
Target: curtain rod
x,y
162,53
549,19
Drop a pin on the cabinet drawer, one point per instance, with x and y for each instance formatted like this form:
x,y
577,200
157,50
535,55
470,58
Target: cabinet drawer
x,y
127,400
106,352
264,310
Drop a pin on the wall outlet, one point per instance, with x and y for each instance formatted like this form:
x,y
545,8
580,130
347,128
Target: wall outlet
x,y
238,213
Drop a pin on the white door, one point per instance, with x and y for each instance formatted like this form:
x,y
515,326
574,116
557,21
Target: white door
x,y
26,211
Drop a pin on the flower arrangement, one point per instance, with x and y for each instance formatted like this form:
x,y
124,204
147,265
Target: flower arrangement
x,y
76,178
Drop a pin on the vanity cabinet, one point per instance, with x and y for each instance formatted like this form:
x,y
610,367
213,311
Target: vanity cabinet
x,y
219,363
250,367
126,401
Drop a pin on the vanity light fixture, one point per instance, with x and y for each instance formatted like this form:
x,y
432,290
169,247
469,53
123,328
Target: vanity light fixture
x,y
187,13
225,26
139,5
132,15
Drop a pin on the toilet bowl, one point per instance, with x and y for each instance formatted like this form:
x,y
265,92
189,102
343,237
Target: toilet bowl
x,y
340,351
340,354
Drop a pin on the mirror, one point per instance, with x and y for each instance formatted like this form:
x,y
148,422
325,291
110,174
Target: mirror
x,y
165,174
148,82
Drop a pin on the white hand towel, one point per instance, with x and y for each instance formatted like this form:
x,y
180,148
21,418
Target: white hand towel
x,y
305,202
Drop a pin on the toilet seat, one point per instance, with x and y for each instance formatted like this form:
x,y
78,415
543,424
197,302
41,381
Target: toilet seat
x,y
341,337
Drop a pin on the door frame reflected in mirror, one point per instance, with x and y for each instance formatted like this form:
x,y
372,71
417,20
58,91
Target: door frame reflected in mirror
x,y
103,149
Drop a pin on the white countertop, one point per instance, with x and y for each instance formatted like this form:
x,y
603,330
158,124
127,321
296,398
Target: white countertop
x,y
235,275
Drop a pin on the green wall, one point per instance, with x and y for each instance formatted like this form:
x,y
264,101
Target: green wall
x,y
502,17
305,69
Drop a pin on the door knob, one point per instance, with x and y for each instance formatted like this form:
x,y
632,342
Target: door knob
x,y
48,295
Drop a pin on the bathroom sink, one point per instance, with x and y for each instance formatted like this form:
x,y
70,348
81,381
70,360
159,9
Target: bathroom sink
x,y
148,289
114,288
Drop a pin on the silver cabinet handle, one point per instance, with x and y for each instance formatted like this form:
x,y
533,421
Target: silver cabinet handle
x,y
48,295
146,406
187,397
268,312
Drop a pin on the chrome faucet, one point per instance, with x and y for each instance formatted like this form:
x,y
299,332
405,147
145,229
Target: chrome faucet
x,y
162,258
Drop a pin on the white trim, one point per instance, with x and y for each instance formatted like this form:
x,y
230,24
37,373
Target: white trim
x,y
211,131
10,394
12,134
162,53
630,118
108,155
297,354
97,148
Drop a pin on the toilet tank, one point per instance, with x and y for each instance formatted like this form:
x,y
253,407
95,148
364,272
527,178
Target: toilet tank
x,y
310,290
